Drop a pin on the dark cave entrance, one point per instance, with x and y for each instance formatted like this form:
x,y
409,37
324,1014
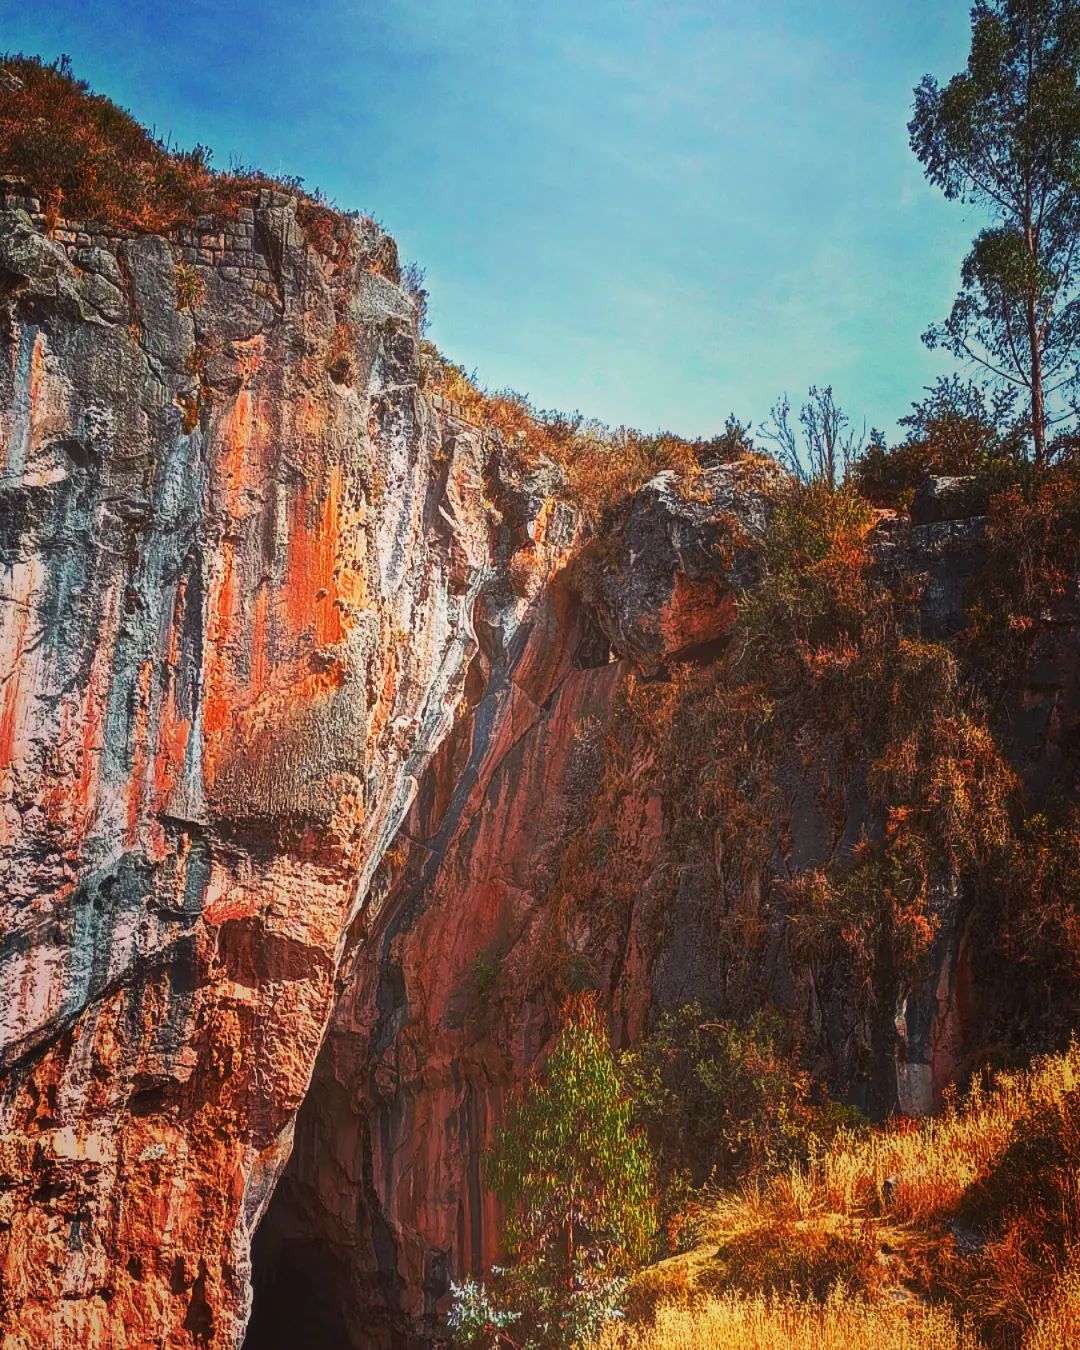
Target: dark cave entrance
x,y
313,1292
314,1287
296,1289
324,1263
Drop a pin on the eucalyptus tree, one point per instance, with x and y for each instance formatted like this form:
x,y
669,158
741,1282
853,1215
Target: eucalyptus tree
x,y
1005,134
574,1179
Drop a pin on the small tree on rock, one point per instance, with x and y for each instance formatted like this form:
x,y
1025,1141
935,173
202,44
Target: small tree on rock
x,y
575,1181
829,442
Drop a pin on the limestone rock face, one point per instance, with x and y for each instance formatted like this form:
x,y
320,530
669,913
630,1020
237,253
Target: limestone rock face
x,y
474,932
663,582
536,857
239,557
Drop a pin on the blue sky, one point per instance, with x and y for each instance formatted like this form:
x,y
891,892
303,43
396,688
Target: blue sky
x,y
656,211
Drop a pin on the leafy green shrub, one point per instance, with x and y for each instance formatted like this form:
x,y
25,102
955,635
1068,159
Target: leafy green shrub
x,y
717,1099
476,1316
720,1101
954,431
574,1179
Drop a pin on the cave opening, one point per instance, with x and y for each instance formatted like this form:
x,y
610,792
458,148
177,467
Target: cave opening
x,y
323,1260
296,1293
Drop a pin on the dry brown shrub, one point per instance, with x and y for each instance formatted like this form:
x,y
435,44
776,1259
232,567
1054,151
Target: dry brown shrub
x,y
91,160
603,465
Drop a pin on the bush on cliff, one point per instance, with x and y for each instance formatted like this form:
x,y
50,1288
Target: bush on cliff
x,y
1029,932
1032,544
89,160
603,465
719,1100
956,430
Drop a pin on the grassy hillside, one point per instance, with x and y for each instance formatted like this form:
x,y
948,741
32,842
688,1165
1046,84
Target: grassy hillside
x,y
952,1232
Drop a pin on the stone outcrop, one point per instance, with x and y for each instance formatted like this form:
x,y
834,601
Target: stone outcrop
x,y
322,784
528,864
476,932
662,580
239,555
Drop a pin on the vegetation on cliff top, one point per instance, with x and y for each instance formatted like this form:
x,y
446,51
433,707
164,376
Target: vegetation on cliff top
x,y
603,465
89,160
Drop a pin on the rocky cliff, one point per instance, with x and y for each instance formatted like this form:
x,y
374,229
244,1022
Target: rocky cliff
x,y
335,750
240,554
550,848
474,934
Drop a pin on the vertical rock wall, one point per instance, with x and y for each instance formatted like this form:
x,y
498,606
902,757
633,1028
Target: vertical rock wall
x,y
238,559
535,857
474,935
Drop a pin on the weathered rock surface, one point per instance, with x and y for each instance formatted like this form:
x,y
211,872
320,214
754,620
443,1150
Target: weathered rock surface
x,y
319,791
663,583
526,866
384,1199
238,561
477,934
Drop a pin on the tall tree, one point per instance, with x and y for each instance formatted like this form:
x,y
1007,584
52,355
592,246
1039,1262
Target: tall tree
x,y
575,1181
1005,134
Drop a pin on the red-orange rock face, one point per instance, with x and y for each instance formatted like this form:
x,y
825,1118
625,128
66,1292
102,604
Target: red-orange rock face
x,y
237,618
473,937
326,771
539,855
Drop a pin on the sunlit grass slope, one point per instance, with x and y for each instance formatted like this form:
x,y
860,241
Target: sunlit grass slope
x,y
955,1232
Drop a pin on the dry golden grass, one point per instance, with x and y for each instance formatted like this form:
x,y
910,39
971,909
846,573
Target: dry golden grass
x,y
1058,1324
754,1322
928,1164
866,1228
